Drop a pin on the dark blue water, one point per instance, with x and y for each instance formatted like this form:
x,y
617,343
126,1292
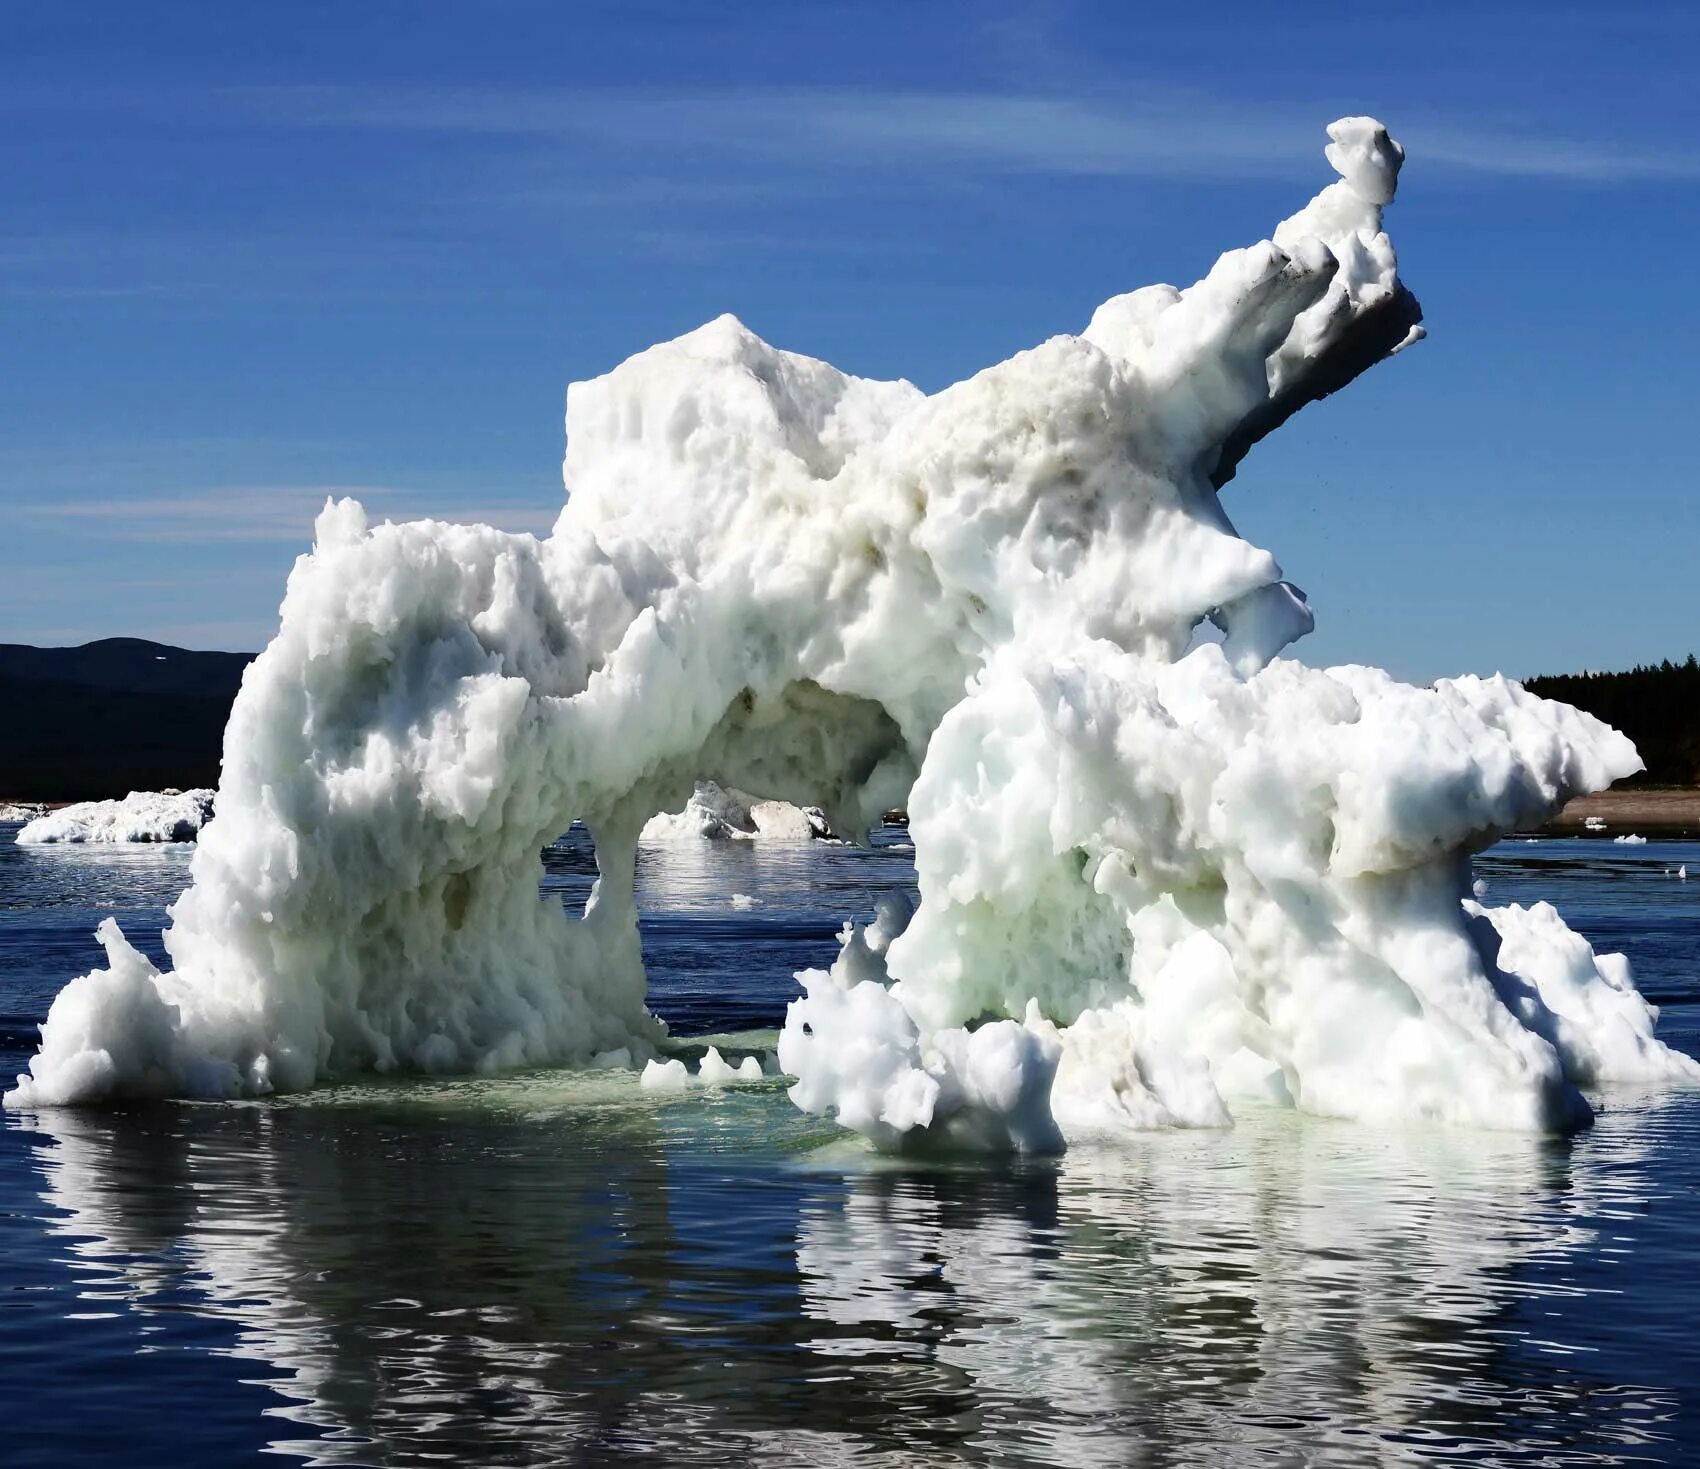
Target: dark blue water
x,y
559,1269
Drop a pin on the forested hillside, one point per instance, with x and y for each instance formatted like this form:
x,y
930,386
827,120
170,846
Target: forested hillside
x,y
111,717
1657,706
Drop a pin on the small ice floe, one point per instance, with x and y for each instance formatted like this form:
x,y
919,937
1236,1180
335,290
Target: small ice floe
x,y
744,900
715,813
1595,823
664,1076
1630,840
713,1070
142,816
1479,888
1680,873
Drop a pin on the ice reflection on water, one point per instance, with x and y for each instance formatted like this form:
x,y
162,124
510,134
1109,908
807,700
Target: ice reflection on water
x,y
1288,1288
550,1269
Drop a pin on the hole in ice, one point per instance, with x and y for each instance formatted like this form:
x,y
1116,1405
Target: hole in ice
x,y
457,893
1205,631
569,869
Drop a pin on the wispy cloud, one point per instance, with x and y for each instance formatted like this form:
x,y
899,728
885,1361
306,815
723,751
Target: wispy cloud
x,y
194,261
1137,129
1158,130
1153,131
1513,154
273,513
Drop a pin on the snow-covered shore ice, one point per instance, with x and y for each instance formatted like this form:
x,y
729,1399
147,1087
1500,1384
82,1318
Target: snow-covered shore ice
x,y
713,814
142,816
1161,878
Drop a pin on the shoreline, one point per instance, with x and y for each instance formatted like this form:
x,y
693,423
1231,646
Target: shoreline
x,y
1660,811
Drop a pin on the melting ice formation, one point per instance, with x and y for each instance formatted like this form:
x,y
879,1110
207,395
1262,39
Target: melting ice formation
x,y
1159,878
713,814
142,816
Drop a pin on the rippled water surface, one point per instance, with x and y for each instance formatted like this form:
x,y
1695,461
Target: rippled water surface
x,y
557,1268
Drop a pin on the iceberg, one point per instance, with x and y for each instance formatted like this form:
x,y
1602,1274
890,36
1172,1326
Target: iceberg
x,y
1164,874
713,814
142,816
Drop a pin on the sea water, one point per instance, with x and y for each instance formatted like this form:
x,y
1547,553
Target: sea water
x,y
554,1267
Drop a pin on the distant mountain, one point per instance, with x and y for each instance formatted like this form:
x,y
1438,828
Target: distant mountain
x,y
110,717
1657,706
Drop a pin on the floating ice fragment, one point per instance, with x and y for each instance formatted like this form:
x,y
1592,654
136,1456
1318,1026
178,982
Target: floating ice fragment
x,y
715,1070
664,1076
714,814
142,816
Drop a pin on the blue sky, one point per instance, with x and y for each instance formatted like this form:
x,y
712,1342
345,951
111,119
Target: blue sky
x,y
252,255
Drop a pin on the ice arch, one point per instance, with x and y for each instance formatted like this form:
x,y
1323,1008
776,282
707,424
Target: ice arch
x,y
1194,877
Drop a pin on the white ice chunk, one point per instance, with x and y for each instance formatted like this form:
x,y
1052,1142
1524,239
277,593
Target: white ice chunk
x,y
1160,878
715,1070
664,1076
1365,157
715,814
142,816
1584,1003
1260,624
116,1032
